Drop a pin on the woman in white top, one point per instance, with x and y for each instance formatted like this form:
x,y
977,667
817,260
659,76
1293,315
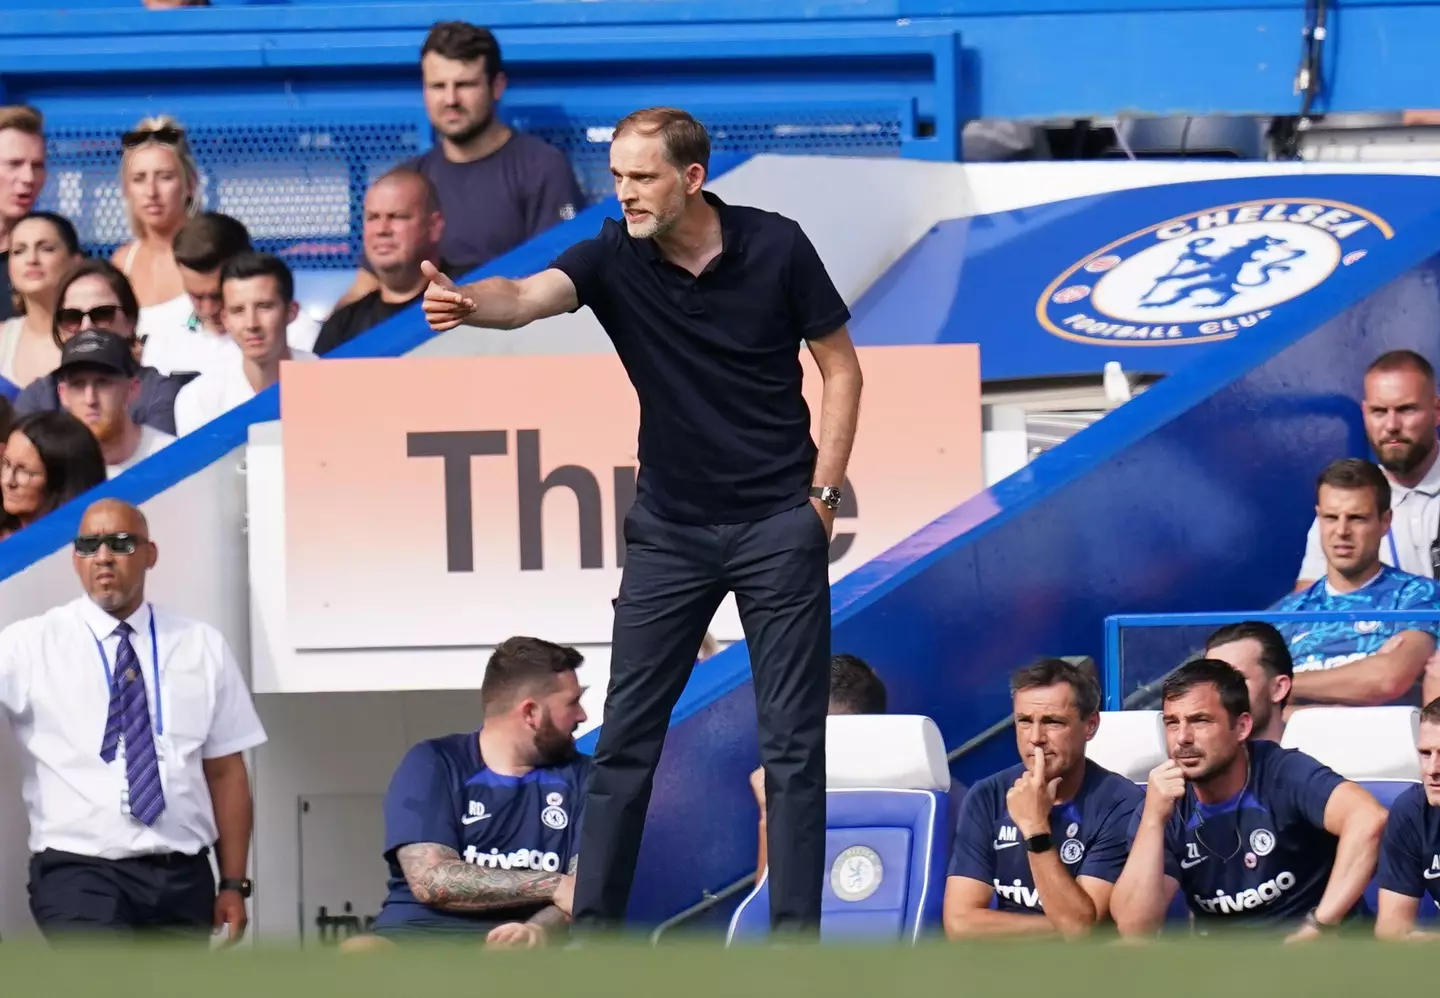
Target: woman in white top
x,y
43,246
161,186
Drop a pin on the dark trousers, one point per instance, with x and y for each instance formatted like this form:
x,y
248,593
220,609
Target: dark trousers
x,y
82,896
674,579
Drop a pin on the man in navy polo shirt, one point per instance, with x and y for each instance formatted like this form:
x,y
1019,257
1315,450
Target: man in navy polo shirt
x,y
707,304
1410,851
1254,835
1038,846
482,828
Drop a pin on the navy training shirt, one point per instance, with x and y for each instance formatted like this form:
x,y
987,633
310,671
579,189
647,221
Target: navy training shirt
x,y
715,361
1089,833
442,792
1410,850
1261,857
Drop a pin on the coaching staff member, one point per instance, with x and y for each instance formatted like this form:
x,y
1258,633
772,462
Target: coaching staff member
x,y
133,720
706,304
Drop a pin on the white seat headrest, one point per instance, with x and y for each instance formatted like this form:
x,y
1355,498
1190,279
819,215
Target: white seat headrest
x,y
1129,742
1359,743
899,751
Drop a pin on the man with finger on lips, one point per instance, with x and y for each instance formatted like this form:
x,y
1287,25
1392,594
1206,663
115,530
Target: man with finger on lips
x,y
1038,846
1252,834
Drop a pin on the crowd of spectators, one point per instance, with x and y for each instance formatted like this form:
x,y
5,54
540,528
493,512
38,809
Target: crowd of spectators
x,y
185,320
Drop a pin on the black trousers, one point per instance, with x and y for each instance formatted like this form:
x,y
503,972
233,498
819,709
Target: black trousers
x,y
674,579
81,896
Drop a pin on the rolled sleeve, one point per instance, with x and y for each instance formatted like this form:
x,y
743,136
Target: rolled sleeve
x,y
417,805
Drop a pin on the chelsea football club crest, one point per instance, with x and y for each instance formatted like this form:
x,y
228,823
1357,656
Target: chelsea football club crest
x,y
1208,275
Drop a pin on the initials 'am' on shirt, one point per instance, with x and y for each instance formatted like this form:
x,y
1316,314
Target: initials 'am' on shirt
x,y
715,360
443,792
1089,833
1261,857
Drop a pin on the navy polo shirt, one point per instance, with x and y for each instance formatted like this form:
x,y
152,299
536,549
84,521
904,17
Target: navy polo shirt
x,y
715,360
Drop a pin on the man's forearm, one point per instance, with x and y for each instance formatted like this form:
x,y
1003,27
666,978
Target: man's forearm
x,y
440,878
554,921
1138,902
1067,906
497,303
839,417
234,821
987,923
1356,856
1371,680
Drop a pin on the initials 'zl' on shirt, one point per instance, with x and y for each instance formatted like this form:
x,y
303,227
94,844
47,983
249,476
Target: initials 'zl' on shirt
x,y
1262,856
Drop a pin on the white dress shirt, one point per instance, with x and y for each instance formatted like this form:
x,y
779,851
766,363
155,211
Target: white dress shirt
x,y
216,393
1414,518
53,685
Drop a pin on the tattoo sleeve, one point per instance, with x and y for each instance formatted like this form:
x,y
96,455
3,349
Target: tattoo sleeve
x,y
440,878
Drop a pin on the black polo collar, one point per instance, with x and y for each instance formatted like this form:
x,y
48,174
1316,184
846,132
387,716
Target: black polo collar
x,y
732,236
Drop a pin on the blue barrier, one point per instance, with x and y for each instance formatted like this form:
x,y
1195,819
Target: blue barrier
x,y
1112,669
1023,59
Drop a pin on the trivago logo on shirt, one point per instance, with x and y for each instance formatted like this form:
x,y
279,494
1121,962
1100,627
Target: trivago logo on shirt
x,y
1246,900
1329,644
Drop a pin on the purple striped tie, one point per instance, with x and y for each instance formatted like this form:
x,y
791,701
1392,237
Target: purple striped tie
x,y
130,716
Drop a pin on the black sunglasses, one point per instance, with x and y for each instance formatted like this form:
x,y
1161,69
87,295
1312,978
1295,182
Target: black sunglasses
x,y
88,545
101,316
168,135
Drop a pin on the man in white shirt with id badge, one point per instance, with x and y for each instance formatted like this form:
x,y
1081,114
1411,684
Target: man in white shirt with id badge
x,y
132,720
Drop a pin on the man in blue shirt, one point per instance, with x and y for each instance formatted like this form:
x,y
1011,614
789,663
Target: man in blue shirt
x,y
482,828
1252,834
1410,851
1361,663
1048,836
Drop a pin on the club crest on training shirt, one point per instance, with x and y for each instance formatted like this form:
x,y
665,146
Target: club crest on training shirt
x,y
1208,275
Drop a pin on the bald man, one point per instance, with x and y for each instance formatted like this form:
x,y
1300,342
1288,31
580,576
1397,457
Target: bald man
x,y
403,226
134,719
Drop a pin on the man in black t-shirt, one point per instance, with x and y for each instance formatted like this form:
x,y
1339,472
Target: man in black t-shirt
x,y
707,305
403,226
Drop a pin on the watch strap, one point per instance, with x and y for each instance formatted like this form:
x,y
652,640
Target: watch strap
x,y
241,886
1039,843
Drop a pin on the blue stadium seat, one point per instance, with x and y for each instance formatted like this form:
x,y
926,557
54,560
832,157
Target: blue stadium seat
x,y
887,838
1374,746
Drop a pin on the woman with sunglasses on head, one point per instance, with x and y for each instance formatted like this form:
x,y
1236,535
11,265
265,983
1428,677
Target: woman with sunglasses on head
x,y
161,186
49,459
43,246
94,295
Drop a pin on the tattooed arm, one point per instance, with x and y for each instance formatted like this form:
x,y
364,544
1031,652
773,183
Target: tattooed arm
x,y
440,878
546,924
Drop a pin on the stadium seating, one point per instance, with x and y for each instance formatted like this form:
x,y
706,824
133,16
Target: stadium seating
x,y
1128,742
1374,746
887,840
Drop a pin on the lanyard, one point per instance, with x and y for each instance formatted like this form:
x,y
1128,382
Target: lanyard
x,y
154,671
1394,554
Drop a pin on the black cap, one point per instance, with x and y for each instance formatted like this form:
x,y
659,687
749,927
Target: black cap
x,y
97,348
